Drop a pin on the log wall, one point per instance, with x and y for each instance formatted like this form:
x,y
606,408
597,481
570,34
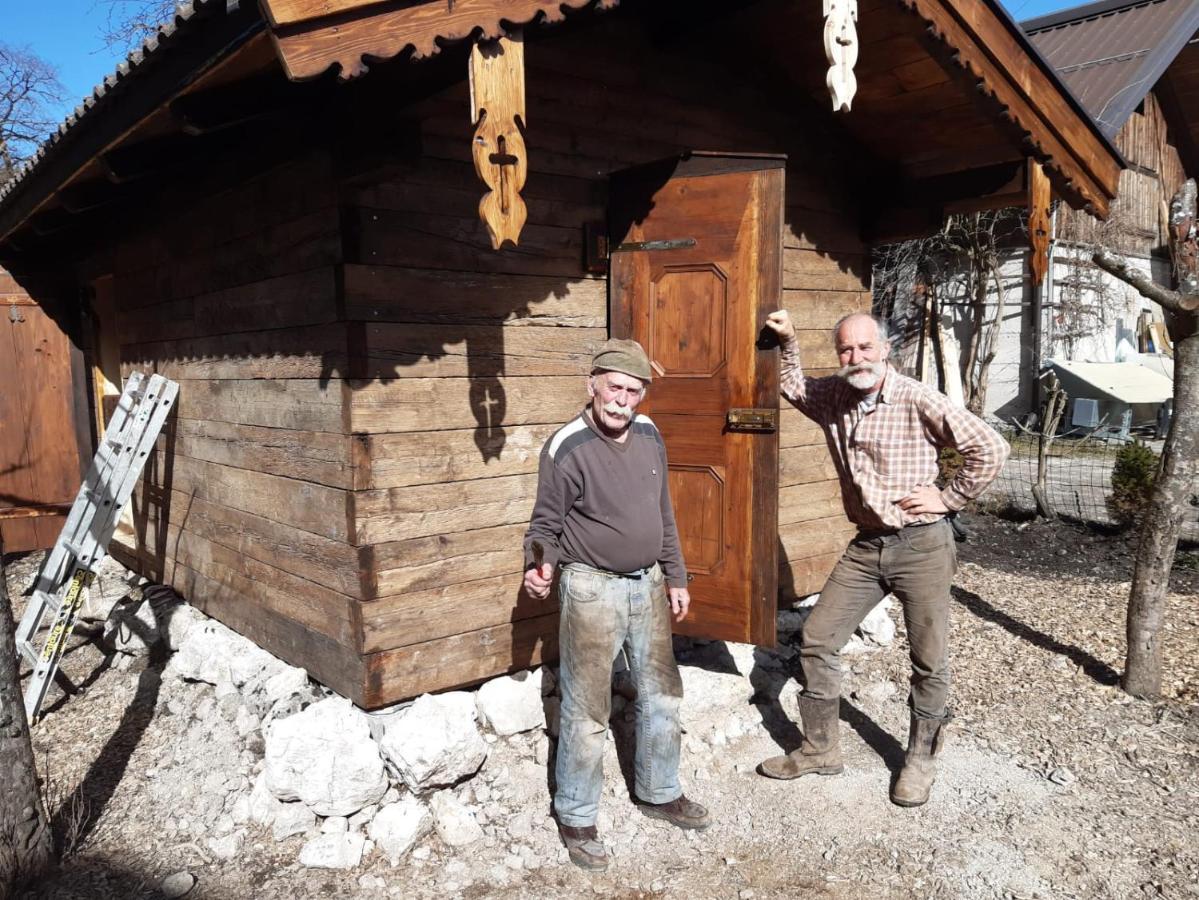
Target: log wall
x,y
366,385
471,358
246,508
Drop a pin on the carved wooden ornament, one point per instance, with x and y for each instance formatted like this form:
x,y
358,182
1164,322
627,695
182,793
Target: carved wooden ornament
x,y
497,102
1039,196
841,49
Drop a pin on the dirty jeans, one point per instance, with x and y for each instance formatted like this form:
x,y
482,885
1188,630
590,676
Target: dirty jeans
x,y
917,565
600,614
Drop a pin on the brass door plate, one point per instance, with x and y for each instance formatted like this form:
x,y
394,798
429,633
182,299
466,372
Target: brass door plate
x,y
750,419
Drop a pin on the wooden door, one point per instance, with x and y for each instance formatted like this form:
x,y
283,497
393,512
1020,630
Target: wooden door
x,y
696,265
39,454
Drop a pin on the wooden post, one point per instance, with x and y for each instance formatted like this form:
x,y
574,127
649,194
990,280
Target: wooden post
x,y
497,102
841,50
1039,196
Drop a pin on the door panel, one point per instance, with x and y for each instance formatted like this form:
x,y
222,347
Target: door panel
x,y
39,456
696,297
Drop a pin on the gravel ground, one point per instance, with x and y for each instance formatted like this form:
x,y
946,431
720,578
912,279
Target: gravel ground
x,y
1053,783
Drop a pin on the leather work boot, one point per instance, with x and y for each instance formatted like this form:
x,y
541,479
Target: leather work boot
x,y
680,812
925,737
820,752
584,846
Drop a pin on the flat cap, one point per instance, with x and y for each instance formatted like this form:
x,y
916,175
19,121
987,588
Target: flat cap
x,y
624,356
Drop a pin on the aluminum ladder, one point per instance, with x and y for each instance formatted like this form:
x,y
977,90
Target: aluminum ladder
x,y
68,569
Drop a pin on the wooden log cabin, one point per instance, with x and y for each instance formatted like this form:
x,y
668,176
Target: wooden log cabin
x,y
294,209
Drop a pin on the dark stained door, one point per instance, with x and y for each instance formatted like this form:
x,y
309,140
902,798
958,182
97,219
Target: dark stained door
x,y
39,455
696,259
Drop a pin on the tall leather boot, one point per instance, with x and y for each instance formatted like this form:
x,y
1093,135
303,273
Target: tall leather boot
x,y
820,752
925,738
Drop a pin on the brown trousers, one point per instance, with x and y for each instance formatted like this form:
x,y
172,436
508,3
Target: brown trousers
x,y
917,565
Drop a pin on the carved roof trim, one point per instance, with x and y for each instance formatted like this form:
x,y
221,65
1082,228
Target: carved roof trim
x,y
349,34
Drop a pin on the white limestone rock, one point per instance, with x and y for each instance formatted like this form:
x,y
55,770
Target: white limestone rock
x,y
877,627
228,846
512,704
291,818
454,820
397,828
435,742
324,756
333,851
263,804
217,655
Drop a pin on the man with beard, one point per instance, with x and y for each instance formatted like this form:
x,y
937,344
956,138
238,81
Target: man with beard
x,y
603,513
885,432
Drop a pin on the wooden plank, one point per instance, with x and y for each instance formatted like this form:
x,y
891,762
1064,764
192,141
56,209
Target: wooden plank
x,y
448,558
806,576
796,429
299,404
272,589
397,460
806,502
311,242
439,296
816,537
420,616
318,351
230,213
813,271
321,457
409,512
333,564
424,404
312,507
820,310
295,299
459,661
805,465
419,240
441,351
334,665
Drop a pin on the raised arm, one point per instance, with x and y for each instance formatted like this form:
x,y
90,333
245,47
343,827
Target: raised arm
x,y
811,396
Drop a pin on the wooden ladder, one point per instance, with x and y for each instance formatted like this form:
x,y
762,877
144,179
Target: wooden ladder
x,y
68,569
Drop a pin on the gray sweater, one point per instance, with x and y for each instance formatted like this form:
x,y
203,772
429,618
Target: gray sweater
x,y
604,504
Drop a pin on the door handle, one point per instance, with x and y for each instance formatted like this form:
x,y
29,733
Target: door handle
x,y
752,419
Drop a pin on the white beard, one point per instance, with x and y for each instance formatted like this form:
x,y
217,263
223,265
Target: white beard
x,y
863,376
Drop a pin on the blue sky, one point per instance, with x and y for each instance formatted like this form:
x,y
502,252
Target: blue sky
x,y
68,35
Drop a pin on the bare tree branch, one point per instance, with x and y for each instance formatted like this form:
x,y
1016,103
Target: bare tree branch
x,y
1166,298
29,91
129,22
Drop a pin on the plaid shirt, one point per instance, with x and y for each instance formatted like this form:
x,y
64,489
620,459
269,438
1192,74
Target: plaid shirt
x,y
881,454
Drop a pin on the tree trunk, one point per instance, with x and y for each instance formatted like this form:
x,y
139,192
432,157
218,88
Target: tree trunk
x,y
1051,415
1162,522
26,847
1161,526
978,311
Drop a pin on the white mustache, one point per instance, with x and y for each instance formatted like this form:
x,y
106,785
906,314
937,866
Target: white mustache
x,y
618,411
874,368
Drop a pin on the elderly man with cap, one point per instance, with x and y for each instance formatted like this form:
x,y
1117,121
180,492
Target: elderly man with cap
x,y
603,514
885,433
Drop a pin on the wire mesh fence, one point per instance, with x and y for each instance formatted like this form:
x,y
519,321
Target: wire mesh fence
x,y
1078,479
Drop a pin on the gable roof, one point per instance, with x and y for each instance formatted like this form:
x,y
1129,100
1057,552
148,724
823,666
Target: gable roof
x,y
918,112
1111,53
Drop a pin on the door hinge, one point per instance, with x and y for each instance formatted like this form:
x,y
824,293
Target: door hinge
x,y
677,244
